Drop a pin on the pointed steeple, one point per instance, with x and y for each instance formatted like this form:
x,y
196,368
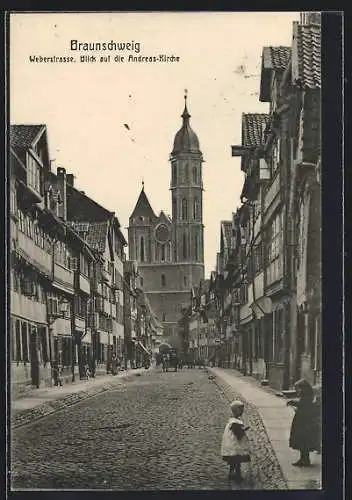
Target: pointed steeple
x,y
143,207
185,115
186,140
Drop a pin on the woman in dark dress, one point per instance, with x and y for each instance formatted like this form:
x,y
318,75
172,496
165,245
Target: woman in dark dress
x,y
304,435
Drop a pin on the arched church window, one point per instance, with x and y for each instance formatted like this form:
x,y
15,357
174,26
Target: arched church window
x,y
169,254
164,317
184,246
184,209
163,257
185,280
174,208
195,208
195,176
163,280
142,249
186,174
174,173
196,247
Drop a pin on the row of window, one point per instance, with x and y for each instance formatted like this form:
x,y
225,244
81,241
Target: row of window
x,y
28,341
177,174
28,226
164,250
185,212
28,285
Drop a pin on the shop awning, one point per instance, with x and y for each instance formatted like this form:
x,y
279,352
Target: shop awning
x,y
143,348
261,307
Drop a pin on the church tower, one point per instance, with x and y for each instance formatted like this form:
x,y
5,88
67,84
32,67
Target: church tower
x,y
187,199
170,250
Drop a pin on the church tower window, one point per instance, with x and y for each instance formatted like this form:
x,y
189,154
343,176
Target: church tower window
x,y
163,253
195,176
184,246
195,208
185,280
186,174
164,317
163,280
174,208
142,250
196,247
184,209
174,173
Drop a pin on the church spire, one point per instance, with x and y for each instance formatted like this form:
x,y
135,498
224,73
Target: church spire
x,y
185,140
185,115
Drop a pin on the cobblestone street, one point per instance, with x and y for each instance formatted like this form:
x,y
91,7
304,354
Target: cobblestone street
x,y
160,431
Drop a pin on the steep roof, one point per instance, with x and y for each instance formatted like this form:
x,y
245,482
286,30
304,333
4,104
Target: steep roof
x,y
253,126
276,58
164,217
82,208
226,228
23,136
143,207
273,59
97,233
306,55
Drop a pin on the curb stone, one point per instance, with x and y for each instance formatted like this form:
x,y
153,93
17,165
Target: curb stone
x,y
25,417
264,463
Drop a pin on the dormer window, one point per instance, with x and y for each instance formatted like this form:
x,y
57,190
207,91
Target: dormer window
x,y
33,173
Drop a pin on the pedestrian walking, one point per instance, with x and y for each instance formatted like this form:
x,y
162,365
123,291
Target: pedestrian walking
x,y
304,435
235,448
57,374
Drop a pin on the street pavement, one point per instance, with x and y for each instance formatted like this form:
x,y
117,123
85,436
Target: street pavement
x,y
157,431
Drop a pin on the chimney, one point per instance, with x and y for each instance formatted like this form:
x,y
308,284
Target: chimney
x,y
308,18
61,185
70,179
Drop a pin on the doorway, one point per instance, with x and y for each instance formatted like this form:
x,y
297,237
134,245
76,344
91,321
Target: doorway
x,y
34,357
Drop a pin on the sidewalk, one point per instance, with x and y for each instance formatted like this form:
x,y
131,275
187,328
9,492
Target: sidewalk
x,y
38,403
277,418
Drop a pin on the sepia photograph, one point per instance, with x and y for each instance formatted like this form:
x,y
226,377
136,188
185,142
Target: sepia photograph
x,y
165,281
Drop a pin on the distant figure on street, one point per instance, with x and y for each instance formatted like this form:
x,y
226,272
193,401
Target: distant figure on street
x,y
304,435
92,367
235,448
57,375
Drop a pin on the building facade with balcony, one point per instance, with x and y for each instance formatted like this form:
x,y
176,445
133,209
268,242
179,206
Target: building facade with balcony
x,y
32,257
100,230
278,225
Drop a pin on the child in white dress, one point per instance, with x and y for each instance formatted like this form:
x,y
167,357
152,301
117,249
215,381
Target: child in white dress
x,y
235,448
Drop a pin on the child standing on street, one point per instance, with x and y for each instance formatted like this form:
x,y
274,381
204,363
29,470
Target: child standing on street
x,y
235,447
304,435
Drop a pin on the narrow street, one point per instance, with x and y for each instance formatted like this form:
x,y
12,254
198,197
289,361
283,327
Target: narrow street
x,y
160,431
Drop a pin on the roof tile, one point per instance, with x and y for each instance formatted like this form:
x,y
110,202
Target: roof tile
x,y
96,237
308,55
276,58
253,126
22,136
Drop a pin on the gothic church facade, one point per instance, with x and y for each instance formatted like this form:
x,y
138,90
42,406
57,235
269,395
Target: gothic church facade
x,y
170,251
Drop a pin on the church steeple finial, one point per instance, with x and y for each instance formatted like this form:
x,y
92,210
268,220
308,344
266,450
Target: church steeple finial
x,y
185,115
142,183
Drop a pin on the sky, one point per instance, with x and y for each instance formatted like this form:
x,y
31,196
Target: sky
x,y
87,105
